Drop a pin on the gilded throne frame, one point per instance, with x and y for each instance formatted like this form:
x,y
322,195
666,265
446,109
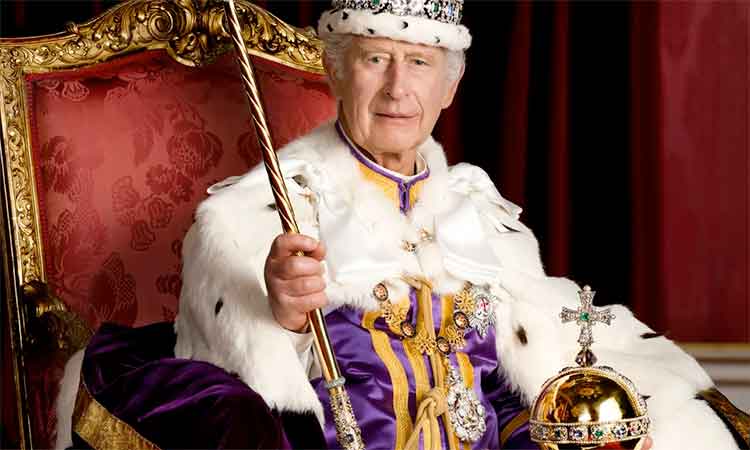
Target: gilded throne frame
x,y
191,32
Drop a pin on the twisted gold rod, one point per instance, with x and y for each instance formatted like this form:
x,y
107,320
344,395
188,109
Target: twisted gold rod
x,y
347,430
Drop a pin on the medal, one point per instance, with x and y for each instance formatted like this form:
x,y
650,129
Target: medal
x,y
466,413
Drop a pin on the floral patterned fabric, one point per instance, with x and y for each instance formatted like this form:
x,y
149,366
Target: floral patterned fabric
x,y
123,154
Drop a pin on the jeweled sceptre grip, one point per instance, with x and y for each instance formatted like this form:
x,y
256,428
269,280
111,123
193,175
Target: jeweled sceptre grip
x,y
347,430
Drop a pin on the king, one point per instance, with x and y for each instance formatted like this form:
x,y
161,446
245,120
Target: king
x,y
443,321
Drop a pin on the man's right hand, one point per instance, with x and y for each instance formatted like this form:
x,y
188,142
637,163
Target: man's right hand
x,y
295,283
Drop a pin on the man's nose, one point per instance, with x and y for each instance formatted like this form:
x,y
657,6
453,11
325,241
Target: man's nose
x,y
396,86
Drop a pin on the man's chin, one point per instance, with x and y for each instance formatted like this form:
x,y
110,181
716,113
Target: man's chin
x,y
395,145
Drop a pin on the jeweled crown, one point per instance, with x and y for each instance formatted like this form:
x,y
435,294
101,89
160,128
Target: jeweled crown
x,y
446,11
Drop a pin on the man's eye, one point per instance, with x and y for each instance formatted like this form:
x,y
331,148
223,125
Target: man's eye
x,y
421,62
376,59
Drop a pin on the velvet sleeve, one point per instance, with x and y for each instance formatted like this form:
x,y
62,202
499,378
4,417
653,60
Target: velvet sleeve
x,y
512,415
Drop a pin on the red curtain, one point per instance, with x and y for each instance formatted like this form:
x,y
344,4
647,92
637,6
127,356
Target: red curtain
x,y
691,166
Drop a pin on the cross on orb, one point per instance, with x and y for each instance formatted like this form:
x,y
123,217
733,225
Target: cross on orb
x,y
585,317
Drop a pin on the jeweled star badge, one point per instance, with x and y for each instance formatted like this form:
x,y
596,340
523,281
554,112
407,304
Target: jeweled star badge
x,y
475,307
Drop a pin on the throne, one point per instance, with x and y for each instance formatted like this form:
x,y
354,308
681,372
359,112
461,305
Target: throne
x,y
111,133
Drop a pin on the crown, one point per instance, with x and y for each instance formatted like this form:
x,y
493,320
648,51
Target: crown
x,y
427,22
446,11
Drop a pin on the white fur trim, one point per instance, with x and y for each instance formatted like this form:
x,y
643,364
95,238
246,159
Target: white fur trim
x,y
418,30
66,401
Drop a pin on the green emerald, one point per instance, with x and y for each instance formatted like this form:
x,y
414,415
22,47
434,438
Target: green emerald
x,y
584,316
598,433
375,2
435,7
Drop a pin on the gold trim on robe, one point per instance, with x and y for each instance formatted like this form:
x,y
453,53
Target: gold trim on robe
x,y
102,430
382,345
736,420
516,423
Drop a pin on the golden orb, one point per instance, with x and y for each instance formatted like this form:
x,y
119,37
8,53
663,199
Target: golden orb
x,y
588,407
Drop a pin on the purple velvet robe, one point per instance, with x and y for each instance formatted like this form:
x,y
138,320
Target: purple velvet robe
x,y
182,403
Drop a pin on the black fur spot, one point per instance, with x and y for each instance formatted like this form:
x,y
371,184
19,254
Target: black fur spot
x,y
330,28
371,31
651,335
219,305
521,335
646,397
344,15
404,25
437,40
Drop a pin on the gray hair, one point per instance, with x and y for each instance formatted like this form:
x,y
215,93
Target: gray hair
x,y
336,46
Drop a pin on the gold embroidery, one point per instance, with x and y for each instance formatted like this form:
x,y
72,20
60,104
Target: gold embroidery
x,y
381,344
455,337
101,430
394,314
465,301
424,343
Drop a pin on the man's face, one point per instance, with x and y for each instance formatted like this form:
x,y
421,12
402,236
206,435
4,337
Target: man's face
x,y
391,93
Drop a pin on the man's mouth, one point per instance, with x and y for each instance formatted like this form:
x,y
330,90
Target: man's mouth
x,y
395,115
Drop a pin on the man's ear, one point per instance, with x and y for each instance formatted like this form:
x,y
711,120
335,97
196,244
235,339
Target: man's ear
x,y
453,87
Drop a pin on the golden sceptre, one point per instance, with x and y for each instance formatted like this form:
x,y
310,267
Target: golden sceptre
x,y
347,430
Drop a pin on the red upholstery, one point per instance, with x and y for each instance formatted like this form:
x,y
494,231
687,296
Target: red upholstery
x,y
123,154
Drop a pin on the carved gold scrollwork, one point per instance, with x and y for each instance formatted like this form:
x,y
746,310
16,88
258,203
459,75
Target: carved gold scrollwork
x,y
191,31
51,326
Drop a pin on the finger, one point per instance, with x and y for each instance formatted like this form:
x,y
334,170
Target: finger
x,y
290,243
292,267
303,304
319,252
300,287
312,301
